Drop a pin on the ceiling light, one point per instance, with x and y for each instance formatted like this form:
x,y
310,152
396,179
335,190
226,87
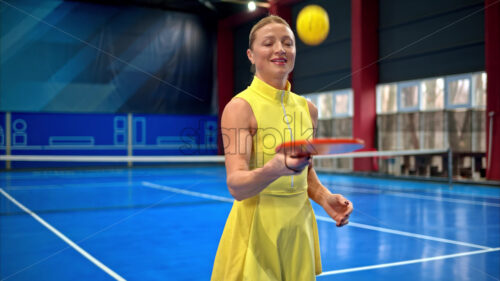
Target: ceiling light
x,y
251,6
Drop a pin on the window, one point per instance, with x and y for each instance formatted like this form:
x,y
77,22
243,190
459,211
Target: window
x,y
312,98
335,104
408,96
325,106
342,103
479,88
432,94
430,113
458,91
386,98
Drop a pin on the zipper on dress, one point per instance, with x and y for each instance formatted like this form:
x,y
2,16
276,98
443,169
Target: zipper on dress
x,y
286,118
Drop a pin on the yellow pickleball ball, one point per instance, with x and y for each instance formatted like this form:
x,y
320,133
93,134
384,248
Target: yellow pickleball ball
x,y
313,25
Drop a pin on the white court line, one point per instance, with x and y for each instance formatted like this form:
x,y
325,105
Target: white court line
x,y
444,199
404,233
384,265
186,192
381,188
415,196
64,238
321,218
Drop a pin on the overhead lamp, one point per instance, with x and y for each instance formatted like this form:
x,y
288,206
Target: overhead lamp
x,y
251,6
255,4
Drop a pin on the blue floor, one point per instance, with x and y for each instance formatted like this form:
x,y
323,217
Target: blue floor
x,y
165,224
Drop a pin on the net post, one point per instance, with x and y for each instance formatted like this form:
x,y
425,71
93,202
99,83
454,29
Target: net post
x,y
491,114
129,138
8,141
450,166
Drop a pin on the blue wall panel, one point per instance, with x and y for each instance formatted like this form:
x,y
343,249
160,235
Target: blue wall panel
x,y
107,135
86,134
67,134
174,135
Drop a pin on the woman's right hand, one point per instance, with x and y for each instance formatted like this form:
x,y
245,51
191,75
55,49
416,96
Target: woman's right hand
x,y
287,165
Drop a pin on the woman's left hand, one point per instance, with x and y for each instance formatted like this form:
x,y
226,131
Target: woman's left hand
x,y
338,207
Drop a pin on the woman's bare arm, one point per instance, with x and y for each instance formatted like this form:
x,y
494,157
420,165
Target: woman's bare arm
x,y
238,126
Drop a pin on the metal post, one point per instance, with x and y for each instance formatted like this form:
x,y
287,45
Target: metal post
x,y
129,138
8,132
450,166
490,139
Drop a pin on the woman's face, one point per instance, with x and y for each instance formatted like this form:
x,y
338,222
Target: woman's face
x,y
273,51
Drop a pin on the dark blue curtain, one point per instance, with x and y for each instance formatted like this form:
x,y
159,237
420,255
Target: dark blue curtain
x,y
81,57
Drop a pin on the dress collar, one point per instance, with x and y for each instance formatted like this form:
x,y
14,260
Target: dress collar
x,y
268,91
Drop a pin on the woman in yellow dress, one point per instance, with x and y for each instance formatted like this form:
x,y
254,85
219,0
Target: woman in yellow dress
x,y
271,232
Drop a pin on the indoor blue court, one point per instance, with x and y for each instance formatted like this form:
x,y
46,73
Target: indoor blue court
x,y
117,119
164,223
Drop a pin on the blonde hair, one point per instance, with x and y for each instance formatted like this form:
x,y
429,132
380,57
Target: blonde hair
x,y
265,21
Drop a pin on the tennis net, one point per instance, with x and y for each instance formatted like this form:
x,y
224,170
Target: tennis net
x,y
428,163
432,164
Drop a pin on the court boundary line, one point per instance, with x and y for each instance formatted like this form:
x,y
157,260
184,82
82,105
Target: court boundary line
x,y
450,200
63,237
414,196
392,264
378,187
321,218
187,192
404,233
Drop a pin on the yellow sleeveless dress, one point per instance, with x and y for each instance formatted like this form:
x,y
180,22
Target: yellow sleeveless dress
x,y
272,236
